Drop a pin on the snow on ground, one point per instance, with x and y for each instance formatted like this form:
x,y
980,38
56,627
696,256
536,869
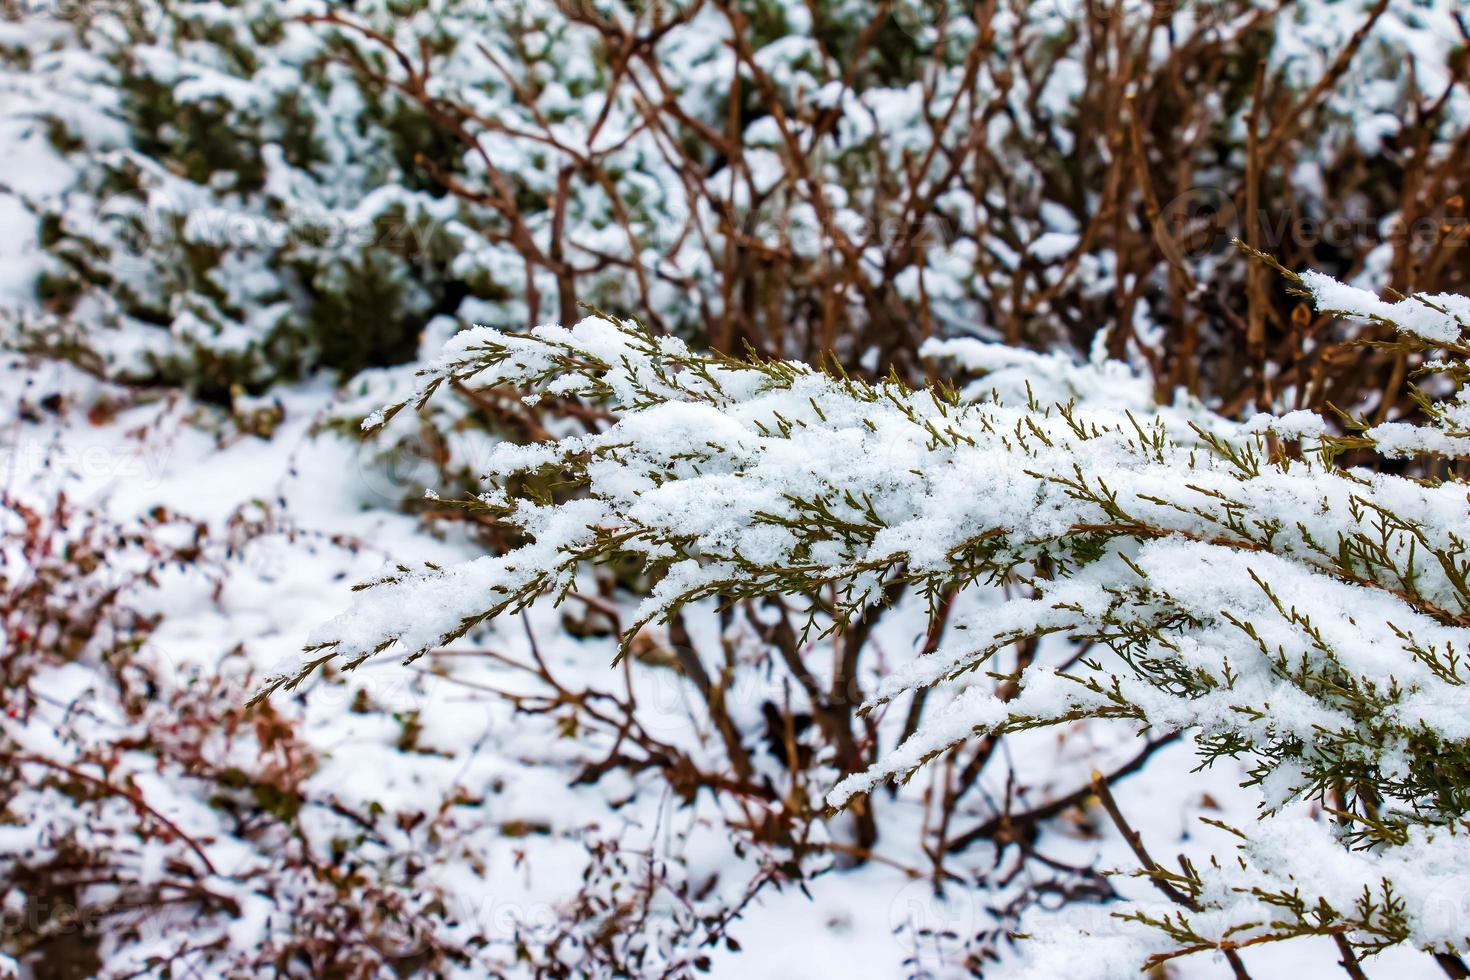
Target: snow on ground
x,y
857,923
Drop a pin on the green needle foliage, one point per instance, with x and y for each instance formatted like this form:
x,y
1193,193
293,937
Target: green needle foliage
x,y
1237,581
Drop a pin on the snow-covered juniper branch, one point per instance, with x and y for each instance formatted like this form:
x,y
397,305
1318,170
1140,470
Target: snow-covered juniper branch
x,y
1310,618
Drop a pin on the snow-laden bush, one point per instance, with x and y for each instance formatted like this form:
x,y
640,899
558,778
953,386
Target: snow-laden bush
x,y
263,188
240,209
1229,579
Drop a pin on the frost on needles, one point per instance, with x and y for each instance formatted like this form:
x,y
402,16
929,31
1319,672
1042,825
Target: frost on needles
x,y
1234,580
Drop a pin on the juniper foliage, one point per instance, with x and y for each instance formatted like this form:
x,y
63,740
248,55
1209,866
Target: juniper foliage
x,y
1234,580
